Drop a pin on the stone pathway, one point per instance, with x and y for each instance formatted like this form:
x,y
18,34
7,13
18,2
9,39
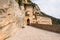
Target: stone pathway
x,y
31,33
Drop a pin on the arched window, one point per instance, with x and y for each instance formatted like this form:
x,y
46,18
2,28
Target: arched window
x,y
27,13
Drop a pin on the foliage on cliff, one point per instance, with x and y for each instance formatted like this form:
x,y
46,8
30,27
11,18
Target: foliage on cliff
x,y
20,2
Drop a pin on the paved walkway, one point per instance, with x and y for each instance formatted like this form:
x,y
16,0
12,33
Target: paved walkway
x,y
31,33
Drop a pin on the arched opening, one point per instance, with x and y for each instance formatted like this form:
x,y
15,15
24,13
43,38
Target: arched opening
x,y
28,21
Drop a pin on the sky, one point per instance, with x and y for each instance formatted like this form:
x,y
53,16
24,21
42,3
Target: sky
x,y
50,7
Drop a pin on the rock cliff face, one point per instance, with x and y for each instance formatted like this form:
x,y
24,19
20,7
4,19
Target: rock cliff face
x,y
10,17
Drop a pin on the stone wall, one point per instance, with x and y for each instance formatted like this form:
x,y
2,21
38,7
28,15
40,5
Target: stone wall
x,y
44,20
